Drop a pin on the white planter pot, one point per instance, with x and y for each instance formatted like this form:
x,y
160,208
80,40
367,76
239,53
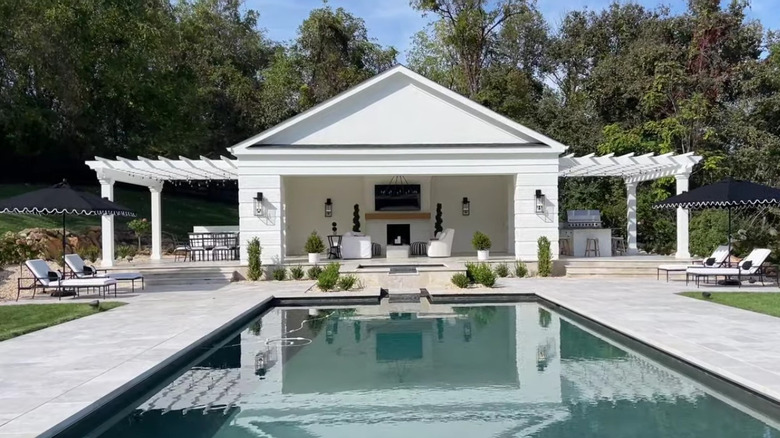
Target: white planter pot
x,y
483,255
314,258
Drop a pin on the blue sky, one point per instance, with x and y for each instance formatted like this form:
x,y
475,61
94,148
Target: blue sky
x,y
393,22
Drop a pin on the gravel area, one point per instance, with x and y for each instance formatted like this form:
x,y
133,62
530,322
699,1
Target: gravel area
x,y
8,282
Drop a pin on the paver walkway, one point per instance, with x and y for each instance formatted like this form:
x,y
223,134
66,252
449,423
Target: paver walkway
x,y
49,375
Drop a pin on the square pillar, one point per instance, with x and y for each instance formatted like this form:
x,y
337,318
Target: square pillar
x,y
107,224
683,247
268,228
530,225
156,222
631,240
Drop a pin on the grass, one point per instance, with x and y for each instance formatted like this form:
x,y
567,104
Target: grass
x,y
761,302
179,213
16,320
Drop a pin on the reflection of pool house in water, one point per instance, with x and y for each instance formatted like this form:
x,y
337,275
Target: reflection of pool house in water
x,y
453,371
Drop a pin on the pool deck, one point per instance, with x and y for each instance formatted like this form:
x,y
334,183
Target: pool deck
x,y
52,374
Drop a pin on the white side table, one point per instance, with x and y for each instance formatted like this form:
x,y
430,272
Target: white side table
x,y
397,251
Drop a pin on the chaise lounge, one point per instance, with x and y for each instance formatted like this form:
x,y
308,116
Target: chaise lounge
x,y
45,278
750,266
79,269
715,260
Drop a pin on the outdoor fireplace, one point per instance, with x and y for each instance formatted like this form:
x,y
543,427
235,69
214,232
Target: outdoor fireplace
x,y
396,231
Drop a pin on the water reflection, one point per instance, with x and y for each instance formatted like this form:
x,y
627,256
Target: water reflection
x,y
449,371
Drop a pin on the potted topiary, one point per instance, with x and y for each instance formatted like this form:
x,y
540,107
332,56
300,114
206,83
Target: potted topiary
x,y
481,242
314,247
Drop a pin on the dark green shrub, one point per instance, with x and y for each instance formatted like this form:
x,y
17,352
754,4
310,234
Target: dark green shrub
x,y
314,244
296,273
484,275
347,282
481,242
545,257
709,229
329,277
437,228
502,270
471,272
313,273
521,270
356,219
460,280
280,273
253,250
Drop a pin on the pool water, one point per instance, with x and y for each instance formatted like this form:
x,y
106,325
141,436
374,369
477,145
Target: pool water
x,y
449,371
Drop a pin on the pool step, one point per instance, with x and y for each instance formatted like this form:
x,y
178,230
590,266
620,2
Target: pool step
x,y
404,296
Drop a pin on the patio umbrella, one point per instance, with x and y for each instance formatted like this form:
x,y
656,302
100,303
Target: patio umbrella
x,y
725,194
61,199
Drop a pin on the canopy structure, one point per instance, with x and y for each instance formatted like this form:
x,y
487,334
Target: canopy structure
x,y
632,168
151,172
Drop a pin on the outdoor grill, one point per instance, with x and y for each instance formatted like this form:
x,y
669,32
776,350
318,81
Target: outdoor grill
x,y
583,219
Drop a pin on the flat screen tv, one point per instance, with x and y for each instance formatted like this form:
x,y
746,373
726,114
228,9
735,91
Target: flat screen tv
x,y
397,197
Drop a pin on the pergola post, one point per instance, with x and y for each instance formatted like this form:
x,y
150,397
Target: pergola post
x,y
631,243
683,251
107,224
156,222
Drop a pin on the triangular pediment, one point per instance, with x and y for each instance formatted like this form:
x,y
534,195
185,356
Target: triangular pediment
x,y
398,108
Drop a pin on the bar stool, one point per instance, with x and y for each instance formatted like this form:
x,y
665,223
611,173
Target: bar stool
x,y
618,246
564,246
592,248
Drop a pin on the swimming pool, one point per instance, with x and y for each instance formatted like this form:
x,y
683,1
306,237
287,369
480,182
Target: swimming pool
x,y
518,370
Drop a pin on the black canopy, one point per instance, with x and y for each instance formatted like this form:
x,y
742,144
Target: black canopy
x,y
62,199
726,194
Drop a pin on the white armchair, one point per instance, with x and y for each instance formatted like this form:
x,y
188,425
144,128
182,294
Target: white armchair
x,y
442,246
355,247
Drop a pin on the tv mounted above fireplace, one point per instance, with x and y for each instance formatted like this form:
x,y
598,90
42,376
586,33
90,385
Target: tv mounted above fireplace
x,y
397,197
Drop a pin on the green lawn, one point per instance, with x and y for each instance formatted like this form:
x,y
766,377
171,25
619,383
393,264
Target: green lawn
x,y
16,320
180,213
761,302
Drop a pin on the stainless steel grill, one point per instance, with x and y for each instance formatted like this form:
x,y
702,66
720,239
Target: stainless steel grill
x,y
583,219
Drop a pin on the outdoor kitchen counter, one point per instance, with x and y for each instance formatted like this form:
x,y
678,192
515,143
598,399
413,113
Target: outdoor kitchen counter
x,y
579,236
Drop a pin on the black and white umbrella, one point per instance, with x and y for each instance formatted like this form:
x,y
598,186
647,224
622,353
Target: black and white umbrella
x,y
726,194
62,199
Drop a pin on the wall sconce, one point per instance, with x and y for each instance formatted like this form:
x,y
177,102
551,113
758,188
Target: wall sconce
x,y
539,201
328,208
260,210
466,209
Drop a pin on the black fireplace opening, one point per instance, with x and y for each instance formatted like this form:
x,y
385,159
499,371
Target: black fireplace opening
x,y
396,230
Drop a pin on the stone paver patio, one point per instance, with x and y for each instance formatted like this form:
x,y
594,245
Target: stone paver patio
x,y
50,375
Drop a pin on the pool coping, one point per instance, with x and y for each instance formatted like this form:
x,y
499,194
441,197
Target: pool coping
x,y
721,380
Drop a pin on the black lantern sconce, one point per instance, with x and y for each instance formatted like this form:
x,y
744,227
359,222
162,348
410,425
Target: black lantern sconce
x,y
466,208
328,208
539,201
260,210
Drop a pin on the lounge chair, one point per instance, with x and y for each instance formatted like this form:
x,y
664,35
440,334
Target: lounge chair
x,y
715,260
442,246
79,269
45,278
750,266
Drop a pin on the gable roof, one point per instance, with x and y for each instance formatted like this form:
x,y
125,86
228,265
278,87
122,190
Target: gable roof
x,y
398,108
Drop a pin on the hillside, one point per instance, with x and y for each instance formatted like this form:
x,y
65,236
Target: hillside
x,y
179,212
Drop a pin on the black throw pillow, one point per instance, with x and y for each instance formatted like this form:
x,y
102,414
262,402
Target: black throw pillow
x,y
89,270
53,276
746,265
710,261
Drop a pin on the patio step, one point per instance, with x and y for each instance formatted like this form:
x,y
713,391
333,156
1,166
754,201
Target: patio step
x,y
617,267
158,276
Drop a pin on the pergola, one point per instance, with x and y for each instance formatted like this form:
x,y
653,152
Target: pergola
x,y
153,173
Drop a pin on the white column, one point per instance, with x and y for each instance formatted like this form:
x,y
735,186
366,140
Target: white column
x,y
631,243
683,251
107,224
156,222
